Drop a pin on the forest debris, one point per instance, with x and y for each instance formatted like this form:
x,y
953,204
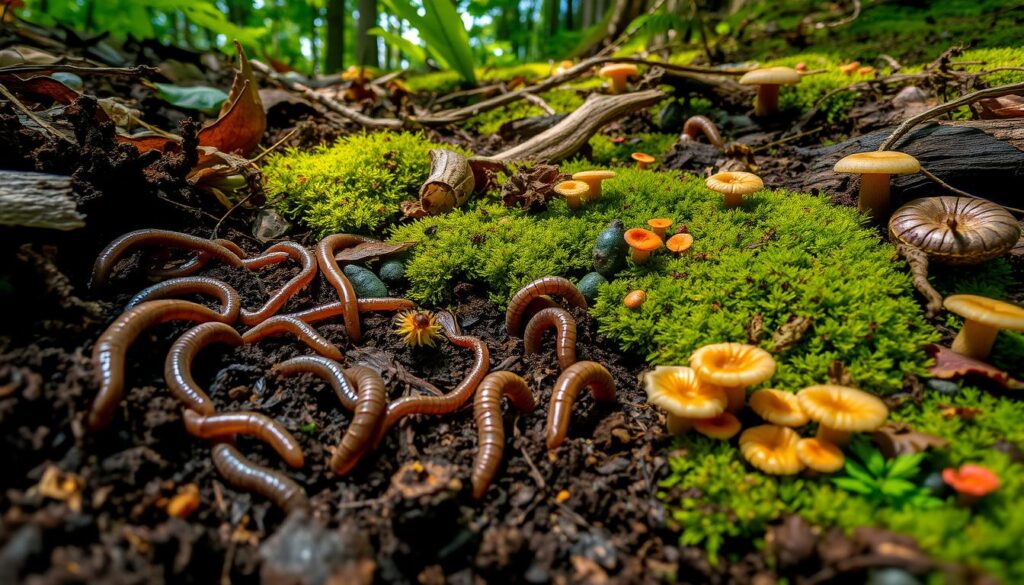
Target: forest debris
x,y
531,187
839,375
755,329
371,250
896,438
63,486
38,200
228,177
790,333
184,502
417,479
950,365
917,260
303,551
1007,106
449,184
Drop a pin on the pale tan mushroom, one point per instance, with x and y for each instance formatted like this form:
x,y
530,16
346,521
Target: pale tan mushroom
x,y
683,396
593,179
768,80
841,411
771,449
733,185
733,366
983,318
618,74
874,168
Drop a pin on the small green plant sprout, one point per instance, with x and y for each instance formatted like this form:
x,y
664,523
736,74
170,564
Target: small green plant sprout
x,y
888,483
418,328
971,482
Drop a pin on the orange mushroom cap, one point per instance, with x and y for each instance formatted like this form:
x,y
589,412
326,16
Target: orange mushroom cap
x,y
571,188
771,449
679,243
734,183
842,408
732,364
678,390
618,70
724,426
659,223
635,299
820,455
778,407
972,480
642,157
642,239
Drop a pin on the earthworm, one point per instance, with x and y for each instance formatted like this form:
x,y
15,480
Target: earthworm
x,y
537,305
547,285
565,334
696,125
489,427
195,263
264,428
297,283
285,324
178,365
243,474
327,369
578,376
108,353
222,291
370,408
329,310
456,398
325,251
110,255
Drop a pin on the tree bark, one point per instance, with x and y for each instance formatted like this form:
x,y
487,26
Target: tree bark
x,y
551,16
335,50
366,45
38,200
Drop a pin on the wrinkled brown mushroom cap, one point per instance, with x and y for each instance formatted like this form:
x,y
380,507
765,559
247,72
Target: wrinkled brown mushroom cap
x,y
878,162
955,230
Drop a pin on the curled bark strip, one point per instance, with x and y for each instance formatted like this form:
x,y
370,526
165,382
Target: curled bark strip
x,y
178,365
917,260
371,405
108,353
565,334
188,285
489,427
245,475
197,262
697,125
453,400
325,251
298,282
579,376
110,255
331,310
305,333
449,184
548,285
326,368
229,424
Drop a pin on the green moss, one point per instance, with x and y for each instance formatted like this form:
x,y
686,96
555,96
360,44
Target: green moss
x,y
812,88
993,58
442,81
606,152
354,185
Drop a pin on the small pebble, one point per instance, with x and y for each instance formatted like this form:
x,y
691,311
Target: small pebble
x,y
944,387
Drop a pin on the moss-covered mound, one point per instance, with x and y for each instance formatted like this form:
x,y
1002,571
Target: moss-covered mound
x,y
354,185
781,256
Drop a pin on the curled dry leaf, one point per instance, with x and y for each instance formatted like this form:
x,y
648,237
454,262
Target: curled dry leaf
x,y
228,177
950,365
449,184
894,438
531,187
790,333
1007,106
372,249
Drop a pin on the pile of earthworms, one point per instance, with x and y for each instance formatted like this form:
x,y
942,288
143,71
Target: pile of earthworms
x,y
360,390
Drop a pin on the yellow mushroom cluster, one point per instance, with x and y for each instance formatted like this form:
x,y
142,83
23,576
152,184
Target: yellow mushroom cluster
x,y
585,187
707,396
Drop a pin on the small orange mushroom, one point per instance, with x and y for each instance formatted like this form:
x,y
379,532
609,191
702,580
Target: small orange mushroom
x,y
733,366
850,68
617,74
733,185
866,70
820,456
641,243
771,449
635,299
841,411
724,426
768,82
679,243
642,160
574,192
678,391
659,225
562,68
593,180
971,482
778,407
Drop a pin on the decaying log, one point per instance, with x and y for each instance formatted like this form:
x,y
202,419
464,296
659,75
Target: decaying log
x,y
449,184
565,138
38,200
984,158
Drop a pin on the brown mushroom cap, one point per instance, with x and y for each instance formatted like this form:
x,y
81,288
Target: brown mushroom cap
x,y
955,230
842,408
771,449
878,162
990,312
679,243
732,364
572,188
820,455
734,183
771,76
642,239
778,407
723,426
678,390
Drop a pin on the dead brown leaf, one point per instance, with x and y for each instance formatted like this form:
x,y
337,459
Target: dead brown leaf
x,y
950,365
372,249
896,438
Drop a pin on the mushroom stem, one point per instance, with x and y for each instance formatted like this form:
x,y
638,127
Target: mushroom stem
x,y
661,232
834,436
678,425
641,165
975,340
767,103
732,200
640,256
874,195
737,397
573,201
618,84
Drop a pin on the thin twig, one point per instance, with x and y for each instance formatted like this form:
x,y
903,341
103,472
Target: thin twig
x,y
137,71
540,103
42,123
963,193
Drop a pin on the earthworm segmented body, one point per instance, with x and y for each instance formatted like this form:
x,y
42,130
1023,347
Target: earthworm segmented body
x,y
697,125
548,285
178,365
330,310
327,369
578,376
188,285
285,324
536,306
453,400
489,427
152,237
228,424
197,262
297,283
108,353
243,474
565,334
370,407
325,251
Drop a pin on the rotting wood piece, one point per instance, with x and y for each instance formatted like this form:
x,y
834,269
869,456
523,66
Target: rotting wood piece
x,y
38,200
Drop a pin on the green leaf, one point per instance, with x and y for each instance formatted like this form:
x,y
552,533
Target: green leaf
x,y
852,485
905,466
857,472
875,463
442,30
415,53
896,487
204,99
309,427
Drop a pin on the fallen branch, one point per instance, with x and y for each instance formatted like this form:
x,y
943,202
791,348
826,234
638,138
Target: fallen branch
x,y
38,200
137,71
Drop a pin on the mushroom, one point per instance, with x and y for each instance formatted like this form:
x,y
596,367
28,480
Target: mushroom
x,y
733,366
771,449
821,456
983,318
641,243
562,68
842,411
573,191
865,70
971,482
683,396
874,168
642,159
724,426
768,81
955,230
659,225
734,185
635,299
617,74
778,407
593,180
679,243
850,67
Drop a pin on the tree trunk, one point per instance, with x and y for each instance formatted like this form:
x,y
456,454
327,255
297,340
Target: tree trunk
x,y
366,45
314,12
589,9
335,50
569,16
551,16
